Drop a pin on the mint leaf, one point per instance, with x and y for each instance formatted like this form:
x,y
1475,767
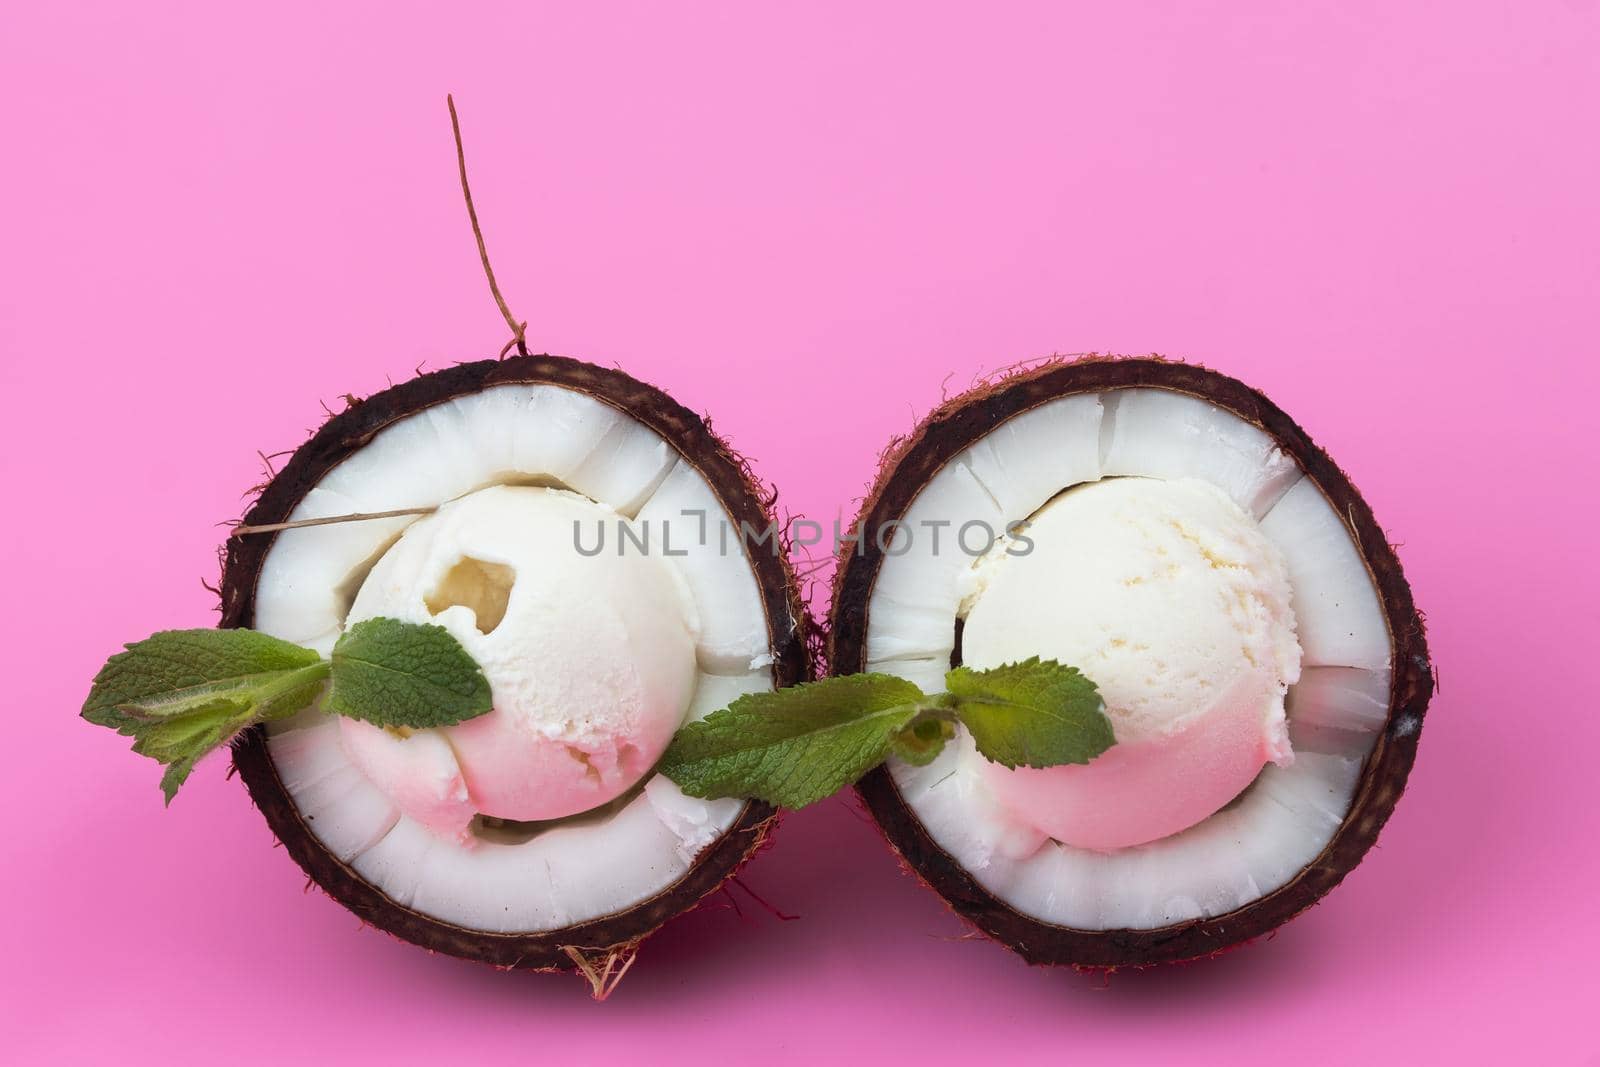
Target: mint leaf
x,y
1031,714
393,673
179,743
796,745
180,671
182,693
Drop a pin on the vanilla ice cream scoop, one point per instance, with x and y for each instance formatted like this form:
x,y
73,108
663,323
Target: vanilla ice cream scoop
x,y
1167,596
590,657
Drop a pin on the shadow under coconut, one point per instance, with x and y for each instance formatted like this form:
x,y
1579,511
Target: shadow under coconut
x,y
1279,966
827,887
833,893
824,886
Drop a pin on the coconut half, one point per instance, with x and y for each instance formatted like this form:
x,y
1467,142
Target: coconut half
x,y
361,817
994,458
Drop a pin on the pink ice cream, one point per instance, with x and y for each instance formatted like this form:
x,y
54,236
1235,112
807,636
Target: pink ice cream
x,y
590,659
1168,596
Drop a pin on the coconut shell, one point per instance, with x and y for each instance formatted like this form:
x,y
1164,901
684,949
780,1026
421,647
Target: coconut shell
x,y
745,499
959,423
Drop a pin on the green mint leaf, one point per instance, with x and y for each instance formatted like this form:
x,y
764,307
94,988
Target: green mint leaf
x,y
1031,714
179,671
794,746
182,693
920,743
393,673
180,742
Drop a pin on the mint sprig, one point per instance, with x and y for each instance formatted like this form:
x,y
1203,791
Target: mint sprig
x,y
797,745
182,693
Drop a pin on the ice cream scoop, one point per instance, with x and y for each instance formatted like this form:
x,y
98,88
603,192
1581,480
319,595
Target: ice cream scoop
x,y
589,654
1168,596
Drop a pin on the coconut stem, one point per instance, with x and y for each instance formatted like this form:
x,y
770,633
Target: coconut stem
x,y
518,329
328,520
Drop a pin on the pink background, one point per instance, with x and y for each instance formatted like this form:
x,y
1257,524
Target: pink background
x,y
804,221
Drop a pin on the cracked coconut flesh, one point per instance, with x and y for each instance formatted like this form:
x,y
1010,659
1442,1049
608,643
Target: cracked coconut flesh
x,y
1183,562
594,660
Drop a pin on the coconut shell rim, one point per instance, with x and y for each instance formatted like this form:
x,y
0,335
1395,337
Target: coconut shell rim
x,y
910,462
741,494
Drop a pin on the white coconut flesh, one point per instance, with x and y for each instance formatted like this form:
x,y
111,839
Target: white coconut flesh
x,y
1333,687
543,813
